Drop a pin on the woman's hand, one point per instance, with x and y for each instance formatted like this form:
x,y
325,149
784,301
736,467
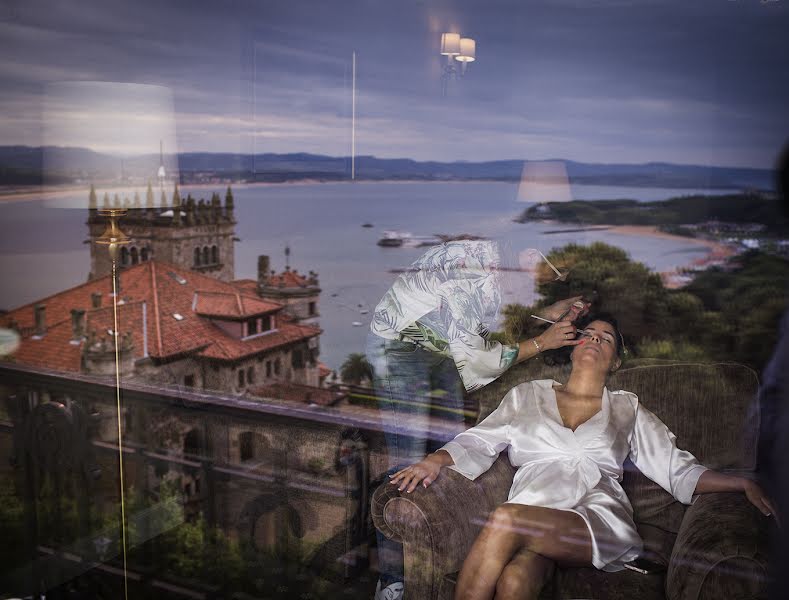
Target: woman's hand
x,y
561,333
559,310
758,498
426,471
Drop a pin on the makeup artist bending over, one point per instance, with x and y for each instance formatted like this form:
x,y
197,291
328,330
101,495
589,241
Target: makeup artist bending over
x,y
566,504
430,331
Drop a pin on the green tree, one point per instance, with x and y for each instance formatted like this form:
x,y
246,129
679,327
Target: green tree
x,y
356,369
616,284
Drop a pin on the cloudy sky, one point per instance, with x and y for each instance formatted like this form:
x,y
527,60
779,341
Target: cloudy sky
x,y
702,82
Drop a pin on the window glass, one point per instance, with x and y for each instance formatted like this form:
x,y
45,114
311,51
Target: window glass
x,y
381,202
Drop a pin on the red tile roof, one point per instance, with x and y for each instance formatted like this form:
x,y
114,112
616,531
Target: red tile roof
x,y
53,351
288,279
296,392
231,304
248,286
153,292
229,348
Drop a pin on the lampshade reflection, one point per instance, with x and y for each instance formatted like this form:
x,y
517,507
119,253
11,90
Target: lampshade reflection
x,y
544,181
450,44
468,50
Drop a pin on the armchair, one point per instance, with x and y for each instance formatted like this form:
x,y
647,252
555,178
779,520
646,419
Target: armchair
x,y
715,548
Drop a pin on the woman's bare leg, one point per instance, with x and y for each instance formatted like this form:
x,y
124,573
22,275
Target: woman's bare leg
x,y
524,576
558,535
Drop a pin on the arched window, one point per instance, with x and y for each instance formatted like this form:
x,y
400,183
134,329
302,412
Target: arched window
x,y
135,255
215,255
250,375
206,256
124,256
144,255
241,378
197,257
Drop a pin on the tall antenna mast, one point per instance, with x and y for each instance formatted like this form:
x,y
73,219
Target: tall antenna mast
x,y
353,119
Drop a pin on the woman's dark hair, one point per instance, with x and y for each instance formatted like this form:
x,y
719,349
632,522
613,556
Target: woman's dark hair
x,y
561,356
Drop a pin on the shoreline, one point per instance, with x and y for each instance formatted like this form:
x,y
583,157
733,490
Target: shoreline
x,y
652,231
717,252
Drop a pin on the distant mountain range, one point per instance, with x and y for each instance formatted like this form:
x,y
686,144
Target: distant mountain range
x,y
21,165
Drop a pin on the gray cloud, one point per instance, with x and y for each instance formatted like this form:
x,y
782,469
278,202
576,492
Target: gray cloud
x,y
591,80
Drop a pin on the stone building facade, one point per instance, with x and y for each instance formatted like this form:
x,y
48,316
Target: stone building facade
x,y
194,235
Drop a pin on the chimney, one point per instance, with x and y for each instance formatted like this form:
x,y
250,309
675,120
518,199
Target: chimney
x,y
263,269
77,324
40,314
95,299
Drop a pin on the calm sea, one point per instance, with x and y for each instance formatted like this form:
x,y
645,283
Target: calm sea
x,y
42,248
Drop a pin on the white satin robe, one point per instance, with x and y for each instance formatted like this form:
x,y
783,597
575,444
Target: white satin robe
x,y
581,470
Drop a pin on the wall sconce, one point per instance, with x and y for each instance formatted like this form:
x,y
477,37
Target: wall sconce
x,y
456,48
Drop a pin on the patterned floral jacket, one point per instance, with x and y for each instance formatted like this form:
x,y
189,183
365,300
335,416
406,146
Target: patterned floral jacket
x,y
445,303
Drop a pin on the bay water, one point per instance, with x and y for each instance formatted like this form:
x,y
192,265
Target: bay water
x,y
43,249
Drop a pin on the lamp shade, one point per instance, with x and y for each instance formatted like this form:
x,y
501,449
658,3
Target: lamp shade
x,y
544,181
450,44
108,134
468,50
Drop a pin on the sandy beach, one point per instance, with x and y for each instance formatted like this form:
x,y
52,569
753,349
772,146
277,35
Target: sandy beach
x,y
718,249
718,252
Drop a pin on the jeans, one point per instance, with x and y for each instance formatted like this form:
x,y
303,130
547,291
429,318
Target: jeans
x,y
404,376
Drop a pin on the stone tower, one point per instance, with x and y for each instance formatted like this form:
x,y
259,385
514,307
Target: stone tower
x,y
196,235
299,293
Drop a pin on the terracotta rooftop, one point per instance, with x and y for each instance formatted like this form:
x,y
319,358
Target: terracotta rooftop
x,y
296,392
157,309
231,304
288,279
247,286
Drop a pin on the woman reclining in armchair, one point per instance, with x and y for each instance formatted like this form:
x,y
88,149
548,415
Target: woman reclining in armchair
x,y
568,442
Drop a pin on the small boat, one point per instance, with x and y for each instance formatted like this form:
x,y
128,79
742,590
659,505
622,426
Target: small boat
x,y
357,323
392,239
368,225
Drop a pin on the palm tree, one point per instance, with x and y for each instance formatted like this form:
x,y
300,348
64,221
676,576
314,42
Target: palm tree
x,y
356,369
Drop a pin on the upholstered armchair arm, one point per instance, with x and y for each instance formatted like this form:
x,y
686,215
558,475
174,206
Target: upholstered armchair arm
x,y
721,550
437,525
